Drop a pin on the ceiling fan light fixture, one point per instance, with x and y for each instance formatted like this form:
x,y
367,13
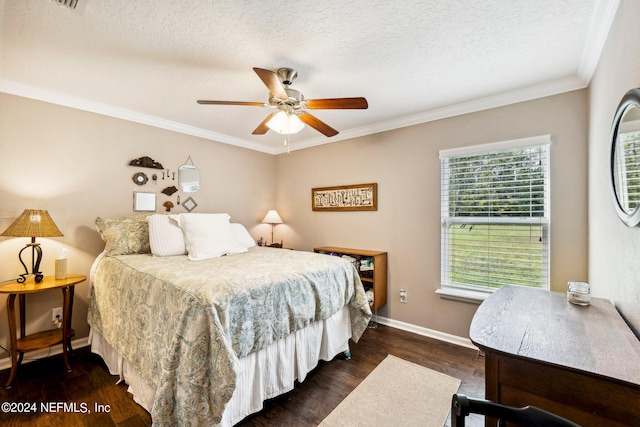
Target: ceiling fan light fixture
x,y
285,123
292,114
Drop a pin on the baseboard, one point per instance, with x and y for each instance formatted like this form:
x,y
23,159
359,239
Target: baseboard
x,y
426,332
32,356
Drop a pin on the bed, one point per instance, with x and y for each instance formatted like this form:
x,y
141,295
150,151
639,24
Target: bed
x,y
204,326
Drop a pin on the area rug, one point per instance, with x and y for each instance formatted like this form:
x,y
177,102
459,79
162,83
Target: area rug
x,y
397,393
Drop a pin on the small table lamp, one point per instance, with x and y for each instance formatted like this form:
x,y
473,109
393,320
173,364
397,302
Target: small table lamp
x,y
272,218
32,223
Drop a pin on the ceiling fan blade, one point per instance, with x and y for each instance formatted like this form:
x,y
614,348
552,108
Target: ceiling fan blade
x,y
262,127
271,80
250,104
337,104
318,125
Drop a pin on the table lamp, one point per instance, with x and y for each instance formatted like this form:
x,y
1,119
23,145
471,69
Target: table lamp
x,y
32,223
272,218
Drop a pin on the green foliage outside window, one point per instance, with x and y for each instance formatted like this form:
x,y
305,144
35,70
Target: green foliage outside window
x,y
496,219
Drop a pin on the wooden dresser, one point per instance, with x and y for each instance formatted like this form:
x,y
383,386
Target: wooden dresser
x,y
582,363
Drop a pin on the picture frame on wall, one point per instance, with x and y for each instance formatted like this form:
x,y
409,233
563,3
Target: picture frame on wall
x,y
144,201
357,197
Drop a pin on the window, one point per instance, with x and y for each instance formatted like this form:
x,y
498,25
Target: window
x,y
495,217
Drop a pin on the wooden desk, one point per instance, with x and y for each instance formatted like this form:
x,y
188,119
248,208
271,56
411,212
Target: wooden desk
x,y
582,363
45,338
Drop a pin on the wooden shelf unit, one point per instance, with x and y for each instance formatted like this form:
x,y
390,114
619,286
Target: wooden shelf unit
x,y
379,280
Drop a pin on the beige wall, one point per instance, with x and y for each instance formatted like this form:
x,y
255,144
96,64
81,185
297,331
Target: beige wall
x,y
75,165
406,166
614,249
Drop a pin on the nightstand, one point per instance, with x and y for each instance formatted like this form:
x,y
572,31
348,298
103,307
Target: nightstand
x,y
42,339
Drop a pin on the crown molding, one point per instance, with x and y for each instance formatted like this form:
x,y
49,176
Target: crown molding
x,y
603,16
529,93
14,88
512,97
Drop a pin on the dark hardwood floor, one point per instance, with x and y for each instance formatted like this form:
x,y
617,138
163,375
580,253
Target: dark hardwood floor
x,y
45,381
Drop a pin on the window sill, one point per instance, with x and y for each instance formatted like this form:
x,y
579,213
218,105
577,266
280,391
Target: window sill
x,y
463,295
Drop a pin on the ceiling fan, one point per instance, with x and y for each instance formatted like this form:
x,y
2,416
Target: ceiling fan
x,y
293,109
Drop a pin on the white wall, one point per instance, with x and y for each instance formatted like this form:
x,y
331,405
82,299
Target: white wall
x,y
614,249
75,165
406,166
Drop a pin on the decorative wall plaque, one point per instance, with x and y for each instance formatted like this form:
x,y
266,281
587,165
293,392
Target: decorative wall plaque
x,y
170,190
146,162
358,197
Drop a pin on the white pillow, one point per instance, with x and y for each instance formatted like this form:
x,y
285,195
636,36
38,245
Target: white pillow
x,y
242,236
165,236
208,235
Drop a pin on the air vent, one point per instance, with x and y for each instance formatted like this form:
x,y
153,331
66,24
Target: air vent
x,y
69,4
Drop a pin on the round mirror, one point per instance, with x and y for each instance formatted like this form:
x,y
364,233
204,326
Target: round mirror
x,y
625,158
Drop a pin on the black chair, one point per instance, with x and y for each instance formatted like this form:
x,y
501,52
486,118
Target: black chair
x,y
529,416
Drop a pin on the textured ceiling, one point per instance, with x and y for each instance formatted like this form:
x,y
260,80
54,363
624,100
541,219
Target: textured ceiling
x,y
414,61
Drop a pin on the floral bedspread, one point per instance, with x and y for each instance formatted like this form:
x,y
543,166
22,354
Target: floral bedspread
x,y
184,324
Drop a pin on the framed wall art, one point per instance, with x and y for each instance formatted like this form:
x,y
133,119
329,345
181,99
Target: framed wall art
x,y
358,197
189,204
144,202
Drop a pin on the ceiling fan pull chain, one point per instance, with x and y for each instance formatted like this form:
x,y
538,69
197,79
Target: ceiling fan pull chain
x,y
286,144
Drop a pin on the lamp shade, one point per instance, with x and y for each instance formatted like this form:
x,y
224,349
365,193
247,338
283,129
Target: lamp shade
x,y
33,223
272,217
285,123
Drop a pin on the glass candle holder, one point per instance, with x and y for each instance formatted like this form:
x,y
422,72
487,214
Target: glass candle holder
x,y
578,293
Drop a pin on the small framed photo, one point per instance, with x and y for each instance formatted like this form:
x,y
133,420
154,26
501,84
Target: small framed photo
x,y
144,202
189,204
358,197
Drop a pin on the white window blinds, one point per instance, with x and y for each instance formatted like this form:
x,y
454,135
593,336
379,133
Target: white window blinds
x,y
495,215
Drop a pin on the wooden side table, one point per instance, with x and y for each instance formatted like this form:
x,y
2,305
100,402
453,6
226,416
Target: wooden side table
x,y
44,338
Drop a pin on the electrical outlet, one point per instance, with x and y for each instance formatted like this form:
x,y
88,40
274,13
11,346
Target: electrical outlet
x,y
56,315
403,296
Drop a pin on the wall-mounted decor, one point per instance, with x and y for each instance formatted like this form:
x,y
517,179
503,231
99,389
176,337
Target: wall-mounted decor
x,y
140,178
625,159
168,205
189,177
189,204
358,197
170,190
144,202
146,162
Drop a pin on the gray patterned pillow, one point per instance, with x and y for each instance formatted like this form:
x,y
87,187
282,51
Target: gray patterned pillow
x,y
123,236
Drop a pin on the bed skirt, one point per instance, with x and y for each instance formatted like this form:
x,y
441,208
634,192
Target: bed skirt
x,y
267,373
